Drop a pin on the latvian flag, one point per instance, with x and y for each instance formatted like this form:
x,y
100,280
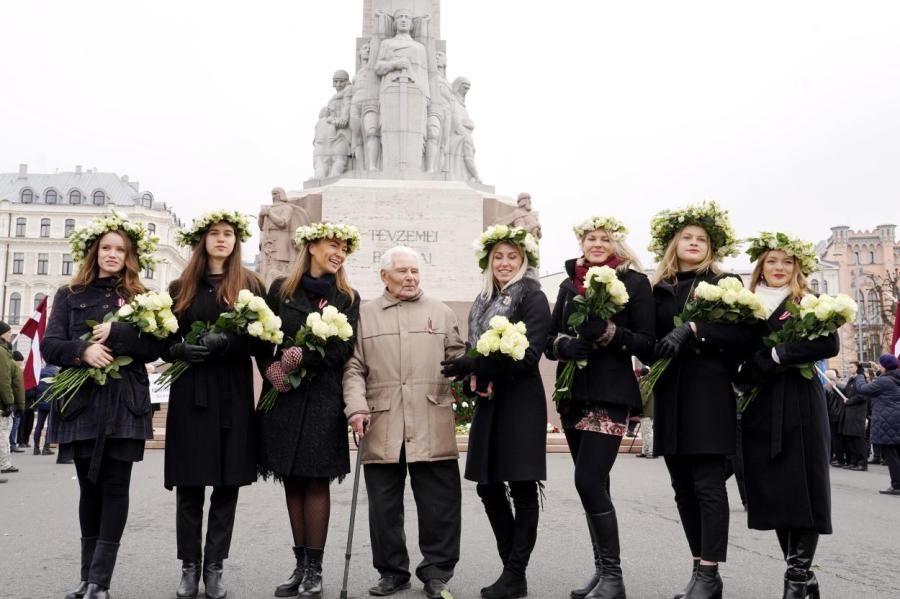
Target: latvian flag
x,y
34,328
895,341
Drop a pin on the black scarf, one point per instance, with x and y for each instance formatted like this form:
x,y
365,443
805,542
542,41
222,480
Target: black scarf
x,y
318,286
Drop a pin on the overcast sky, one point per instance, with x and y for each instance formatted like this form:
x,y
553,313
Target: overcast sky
x,y
788,113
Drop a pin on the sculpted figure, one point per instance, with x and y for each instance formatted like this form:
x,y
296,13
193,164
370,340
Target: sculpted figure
x,y
339,116
523,216
364,136
325,131
462,147
277,224
440,117
403,96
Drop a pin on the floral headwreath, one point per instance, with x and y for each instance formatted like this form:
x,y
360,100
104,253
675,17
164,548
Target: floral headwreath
x,y
191,236
497,233
616,228
316,231
708,215
802,251
80,241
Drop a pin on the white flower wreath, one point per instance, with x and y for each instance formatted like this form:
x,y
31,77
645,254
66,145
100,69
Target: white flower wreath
x,y
316,231
616,228
191,235
516,235
144,243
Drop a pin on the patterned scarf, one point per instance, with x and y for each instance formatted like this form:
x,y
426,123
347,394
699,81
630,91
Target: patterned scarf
x,y
502,303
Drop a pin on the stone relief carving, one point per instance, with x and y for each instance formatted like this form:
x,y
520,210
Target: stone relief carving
x,y
277,223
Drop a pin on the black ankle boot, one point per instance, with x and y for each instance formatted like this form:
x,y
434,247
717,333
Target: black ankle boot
x,y
799,581
606,530
190,580
707,584
311,586
291,586
690,582
95,591
213,586
102,566
588,586
509,586
87,555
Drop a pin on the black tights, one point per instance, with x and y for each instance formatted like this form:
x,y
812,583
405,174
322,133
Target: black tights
x,y
103,506
309,508
594,455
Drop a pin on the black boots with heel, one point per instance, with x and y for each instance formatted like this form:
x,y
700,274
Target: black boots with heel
x,y
606,530
87,556
189,587
799,548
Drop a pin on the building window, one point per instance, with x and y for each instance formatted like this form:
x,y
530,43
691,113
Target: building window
x,y
15,307
70,227
148,273
872,300
18,263
27,196
147,200
814,284
45,227
20,226
824,286
99,198
871,257
66,264
151,228
74,197
855,257
38,298
51,197
43,264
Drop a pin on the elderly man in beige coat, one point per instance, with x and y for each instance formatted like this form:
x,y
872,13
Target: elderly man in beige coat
x,y
396,396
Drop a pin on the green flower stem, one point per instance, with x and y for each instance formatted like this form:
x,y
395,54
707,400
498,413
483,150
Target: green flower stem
x,y
166,379
649,380
268,400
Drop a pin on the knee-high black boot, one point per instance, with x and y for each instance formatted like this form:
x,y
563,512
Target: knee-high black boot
x,y
500,517
606,530
799,581
291,586
87,555
784,540
588,586
101,571
512,582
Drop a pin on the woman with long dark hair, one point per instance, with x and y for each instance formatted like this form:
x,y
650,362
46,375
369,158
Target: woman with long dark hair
x,y
104,427
605,393
303,438
210,432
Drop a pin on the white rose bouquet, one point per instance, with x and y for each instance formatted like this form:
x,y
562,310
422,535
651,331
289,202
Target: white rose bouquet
x,y
320,328
504,338
726,302
250,316
604,296
815,317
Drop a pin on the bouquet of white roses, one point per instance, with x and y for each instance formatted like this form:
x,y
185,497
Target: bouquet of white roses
x,y
604,296
149,312
504,338
815,317
320,328
728,301
250,316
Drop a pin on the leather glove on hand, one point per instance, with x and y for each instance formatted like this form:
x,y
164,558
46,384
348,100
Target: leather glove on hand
x,y
572,348
591,330
291,359
216,343
459,368
312,359
275,374
189,352
672,344
764,362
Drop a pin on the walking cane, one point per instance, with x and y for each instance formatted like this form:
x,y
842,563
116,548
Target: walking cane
x,y
358,443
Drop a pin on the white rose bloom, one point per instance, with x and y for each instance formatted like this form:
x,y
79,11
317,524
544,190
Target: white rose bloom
x,y
257,304
499,323
483,346
345,331
274,323
340,319
507,344
492,338
730,297
256,329
320,329
151,323
520,326
125,311
170,324
329,313
824,310
731,284
244,296
313,318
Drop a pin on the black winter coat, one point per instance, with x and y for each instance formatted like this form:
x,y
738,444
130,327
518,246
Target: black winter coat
x,y
786,438
695,408
856,410
885,399
210,425
120,409
305,432
608,377
508,438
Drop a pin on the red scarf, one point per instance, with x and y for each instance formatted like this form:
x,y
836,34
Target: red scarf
x,y
582,266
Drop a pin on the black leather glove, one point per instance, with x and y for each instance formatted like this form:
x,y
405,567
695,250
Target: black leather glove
x,y
764,362
312,358
189,352
592,329
672,344
572,348
216,343
459,368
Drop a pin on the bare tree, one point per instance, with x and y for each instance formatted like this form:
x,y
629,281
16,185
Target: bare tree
x,y
887,293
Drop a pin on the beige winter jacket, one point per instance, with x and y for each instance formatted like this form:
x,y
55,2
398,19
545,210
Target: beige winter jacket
x,y
395,376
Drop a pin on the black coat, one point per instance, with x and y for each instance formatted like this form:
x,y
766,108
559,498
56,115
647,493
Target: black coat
x,y
119,409
695,408
853,420
508,438
786,438
608,377
884,394
210,424
305,432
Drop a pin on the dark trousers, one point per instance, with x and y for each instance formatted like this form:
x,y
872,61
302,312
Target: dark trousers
x,y
891,453
838,449
25,426
14,431
189,522
438,496
42,418
857,450
699,484
103,506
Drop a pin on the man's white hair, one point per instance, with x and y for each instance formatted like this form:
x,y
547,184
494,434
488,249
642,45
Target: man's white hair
x,y
387,258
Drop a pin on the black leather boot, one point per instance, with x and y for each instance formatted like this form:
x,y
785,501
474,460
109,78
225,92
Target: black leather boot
x,y
606,530
95,591
213,586
311,586
503,524
707,584
690,582
512,582
291,586
190,580
588,586
102,566
87,555
799,581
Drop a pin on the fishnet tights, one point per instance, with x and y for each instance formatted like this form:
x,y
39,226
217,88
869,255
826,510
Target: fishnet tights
x,y
309,508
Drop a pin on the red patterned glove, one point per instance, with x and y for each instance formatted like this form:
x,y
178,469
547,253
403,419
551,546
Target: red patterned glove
x,y
275,375
291,358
